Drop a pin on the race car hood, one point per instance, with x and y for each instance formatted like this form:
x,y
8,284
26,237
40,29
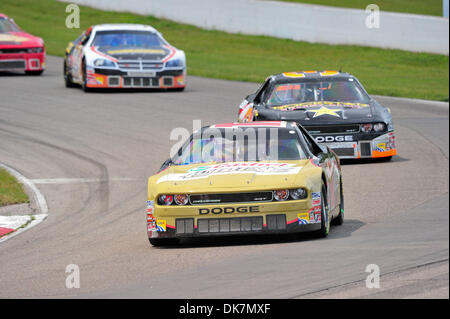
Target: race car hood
x,y
155,53
231,176
17,40
321,112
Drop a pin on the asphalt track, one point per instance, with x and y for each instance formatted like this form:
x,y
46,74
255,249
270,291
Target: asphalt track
x,y
90,155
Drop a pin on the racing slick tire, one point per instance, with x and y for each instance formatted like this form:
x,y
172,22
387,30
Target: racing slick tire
x,y
39,72
67,77
158,242
325,220
84,82
339,220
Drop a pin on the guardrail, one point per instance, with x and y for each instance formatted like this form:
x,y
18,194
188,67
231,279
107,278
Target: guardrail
x,y
301,22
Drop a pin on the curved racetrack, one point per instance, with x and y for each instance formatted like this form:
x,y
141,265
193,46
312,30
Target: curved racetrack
x,y
90,155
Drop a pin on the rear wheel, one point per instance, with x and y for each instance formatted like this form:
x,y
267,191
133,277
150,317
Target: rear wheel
x,y
325,220
158,242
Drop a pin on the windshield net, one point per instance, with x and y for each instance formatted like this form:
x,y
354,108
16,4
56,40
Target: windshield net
x,y
127,39
8,26
214,145
337,90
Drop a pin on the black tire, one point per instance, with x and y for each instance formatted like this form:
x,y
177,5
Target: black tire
x,y
325,220
67,77
34,73
339,220
84,82
158,242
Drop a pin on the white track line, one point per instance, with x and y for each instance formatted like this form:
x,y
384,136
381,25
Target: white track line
x,y
40,200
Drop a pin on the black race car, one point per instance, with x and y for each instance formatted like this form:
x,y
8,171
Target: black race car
x,y
333,106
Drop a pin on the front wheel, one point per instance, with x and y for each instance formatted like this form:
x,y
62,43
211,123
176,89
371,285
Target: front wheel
x,y
325,220
339,220
67,77
84,83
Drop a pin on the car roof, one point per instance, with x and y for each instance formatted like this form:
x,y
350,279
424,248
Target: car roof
x,y
268,124
123,26
305,75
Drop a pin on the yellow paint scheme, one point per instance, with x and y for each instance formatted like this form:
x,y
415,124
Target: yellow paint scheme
x,y
309,177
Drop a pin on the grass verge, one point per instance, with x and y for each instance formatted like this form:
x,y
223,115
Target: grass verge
x,y
428,7
11,192
222,55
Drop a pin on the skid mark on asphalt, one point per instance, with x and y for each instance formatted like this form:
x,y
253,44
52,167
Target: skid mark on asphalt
x,y
101,195
80,180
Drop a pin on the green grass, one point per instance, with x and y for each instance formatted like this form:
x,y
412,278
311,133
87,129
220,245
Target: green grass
x,y
11,192
427,7
251,58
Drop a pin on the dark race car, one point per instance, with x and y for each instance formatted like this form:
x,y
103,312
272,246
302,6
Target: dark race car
x,y
333,106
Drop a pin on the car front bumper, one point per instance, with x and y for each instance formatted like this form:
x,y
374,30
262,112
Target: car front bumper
x,y
271,217
19,62
113,78
364,146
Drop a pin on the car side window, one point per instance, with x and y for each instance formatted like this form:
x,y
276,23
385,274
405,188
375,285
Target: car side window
x,y
311,143
261,92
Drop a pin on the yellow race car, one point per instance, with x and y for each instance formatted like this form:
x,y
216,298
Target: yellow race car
x,y
245,178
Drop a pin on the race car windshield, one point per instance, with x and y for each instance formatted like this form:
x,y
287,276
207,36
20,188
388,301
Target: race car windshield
x,y
213,145
127,39
337,90
8,26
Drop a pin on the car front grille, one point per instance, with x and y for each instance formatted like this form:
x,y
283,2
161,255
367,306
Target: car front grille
x,y
227,225
13,51
139,65
353,128
202,199
140,82
348,151
12,65
365,149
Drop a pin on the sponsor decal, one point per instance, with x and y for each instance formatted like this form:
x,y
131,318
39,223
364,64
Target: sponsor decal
x,y
381,147
160,225
234,168
303,218
151,220
329,73
305,105
293,74
329,139
316,210
9,38
324,111
229,210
